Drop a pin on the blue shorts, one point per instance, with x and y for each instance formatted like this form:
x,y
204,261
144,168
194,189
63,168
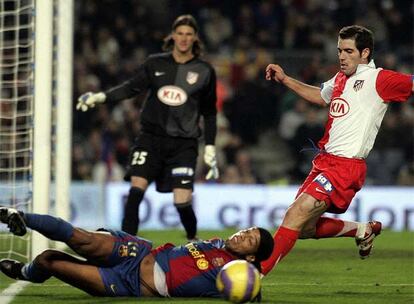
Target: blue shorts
x,y
121,276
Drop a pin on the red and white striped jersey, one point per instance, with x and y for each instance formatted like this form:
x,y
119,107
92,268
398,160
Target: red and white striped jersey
x,y
357,105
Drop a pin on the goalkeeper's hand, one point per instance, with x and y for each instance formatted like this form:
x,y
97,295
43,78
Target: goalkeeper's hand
x,y
89,99
211,161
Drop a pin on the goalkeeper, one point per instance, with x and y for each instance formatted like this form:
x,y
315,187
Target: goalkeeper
x,y
180,87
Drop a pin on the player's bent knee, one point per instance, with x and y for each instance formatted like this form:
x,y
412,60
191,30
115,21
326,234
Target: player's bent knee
x,y
307,233
182,196
80,237
46,258
95,245
139,182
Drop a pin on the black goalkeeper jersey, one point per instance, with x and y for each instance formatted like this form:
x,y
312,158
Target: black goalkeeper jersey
x,y
178,94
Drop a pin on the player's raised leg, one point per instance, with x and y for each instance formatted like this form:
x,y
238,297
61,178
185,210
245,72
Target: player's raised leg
x,y
326,227
88,244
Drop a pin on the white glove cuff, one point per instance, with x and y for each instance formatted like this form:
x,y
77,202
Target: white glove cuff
x,y
100,97
210,149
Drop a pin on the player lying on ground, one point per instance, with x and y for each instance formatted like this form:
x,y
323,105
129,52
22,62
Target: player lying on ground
x,y
358,97
119,264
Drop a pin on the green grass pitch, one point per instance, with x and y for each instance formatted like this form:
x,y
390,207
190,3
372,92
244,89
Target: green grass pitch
x,y
316,271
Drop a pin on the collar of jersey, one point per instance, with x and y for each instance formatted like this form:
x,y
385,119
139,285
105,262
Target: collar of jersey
x,y
364,67
172,58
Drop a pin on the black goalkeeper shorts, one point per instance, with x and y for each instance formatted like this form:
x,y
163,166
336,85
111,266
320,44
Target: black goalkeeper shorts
x,y
169,161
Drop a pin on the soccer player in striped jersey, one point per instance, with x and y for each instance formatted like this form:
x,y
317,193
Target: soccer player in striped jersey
x,y
357,98
118,264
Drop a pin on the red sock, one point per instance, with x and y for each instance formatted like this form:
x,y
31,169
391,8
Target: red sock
x,y
327,227
285,239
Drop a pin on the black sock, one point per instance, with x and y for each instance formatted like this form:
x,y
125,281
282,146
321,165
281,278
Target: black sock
x,y
188,218
130,221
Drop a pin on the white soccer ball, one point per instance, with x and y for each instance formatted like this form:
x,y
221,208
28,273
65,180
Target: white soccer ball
x,y
238,281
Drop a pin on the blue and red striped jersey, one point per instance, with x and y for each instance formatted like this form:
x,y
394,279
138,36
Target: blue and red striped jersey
x,y
191,269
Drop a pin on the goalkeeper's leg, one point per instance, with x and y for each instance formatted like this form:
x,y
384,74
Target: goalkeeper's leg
x,y
184,205
130,221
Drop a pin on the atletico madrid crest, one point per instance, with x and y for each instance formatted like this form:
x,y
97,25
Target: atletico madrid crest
x,y
192,77
358,85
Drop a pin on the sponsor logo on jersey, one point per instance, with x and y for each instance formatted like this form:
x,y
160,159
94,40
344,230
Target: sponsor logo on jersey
x,y
192,77
198,257
339,107
183,171
172,95
324,182
358,85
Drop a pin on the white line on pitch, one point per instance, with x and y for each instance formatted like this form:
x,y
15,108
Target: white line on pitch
x,y
10,292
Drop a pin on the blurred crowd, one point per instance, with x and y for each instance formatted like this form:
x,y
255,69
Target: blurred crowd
x,y
266,134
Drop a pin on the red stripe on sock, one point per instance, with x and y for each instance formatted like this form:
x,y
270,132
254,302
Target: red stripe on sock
x,y
285,239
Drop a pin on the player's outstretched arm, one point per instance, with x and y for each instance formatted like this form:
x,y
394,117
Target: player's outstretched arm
x,y
308,92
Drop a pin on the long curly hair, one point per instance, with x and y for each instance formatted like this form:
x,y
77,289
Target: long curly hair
x,y
184,20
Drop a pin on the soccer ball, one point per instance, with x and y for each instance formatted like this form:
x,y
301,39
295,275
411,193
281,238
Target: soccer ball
x,y
238,281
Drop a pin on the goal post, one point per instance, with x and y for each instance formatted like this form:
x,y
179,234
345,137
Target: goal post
x,y
42,122
53,110
36,49
64,98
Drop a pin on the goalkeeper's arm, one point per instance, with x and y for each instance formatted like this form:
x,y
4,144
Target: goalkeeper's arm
x,y
123,91
128,89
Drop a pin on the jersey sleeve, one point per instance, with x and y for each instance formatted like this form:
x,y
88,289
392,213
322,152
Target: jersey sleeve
x,y
208,104
327,89
217,242
394,86
131,87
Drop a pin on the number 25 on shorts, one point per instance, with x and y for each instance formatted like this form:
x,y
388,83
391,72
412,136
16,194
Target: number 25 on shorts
x,y
139,158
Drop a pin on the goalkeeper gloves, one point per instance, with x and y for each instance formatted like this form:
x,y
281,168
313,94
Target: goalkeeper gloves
x,y
211,161
89,99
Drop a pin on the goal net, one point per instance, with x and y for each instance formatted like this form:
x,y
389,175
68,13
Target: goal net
x,y
35,113
16,114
